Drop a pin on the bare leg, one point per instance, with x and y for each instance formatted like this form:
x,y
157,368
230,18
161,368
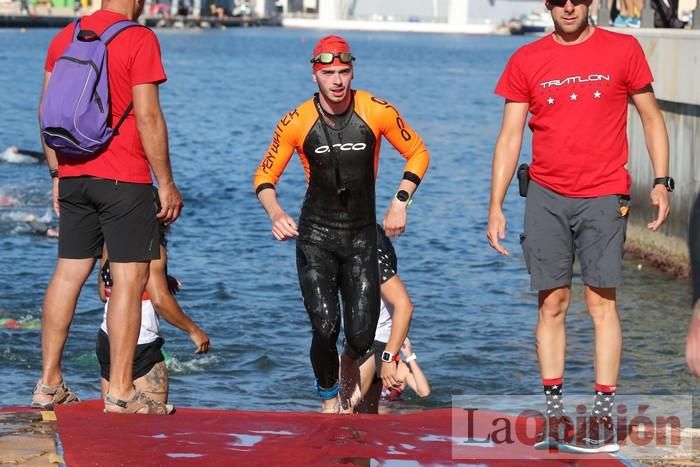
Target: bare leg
x,y
370,402
104,385
349,381
551,331
155,383
608,334
57,314
123,323
367,374
350,393
625,7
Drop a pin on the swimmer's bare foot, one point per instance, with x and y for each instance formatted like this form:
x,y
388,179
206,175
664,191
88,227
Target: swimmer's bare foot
x,y
330,405
350,393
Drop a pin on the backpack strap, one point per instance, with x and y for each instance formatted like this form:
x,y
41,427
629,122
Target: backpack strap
x,y
76,29
123,117
114,29
110,33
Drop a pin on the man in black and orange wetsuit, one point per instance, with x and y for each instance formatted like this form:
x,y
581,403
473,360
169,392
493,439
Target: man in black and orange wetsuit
x,y
337,135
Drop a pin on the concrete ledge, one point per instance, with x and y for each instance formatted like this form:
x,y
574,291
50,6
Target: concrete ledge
x,y
388,26
27,439
667,253
674,58
673,55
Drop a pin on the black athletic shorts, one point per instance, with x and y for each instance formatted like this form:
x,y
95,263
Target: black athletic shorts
x,y
376,352
96,211
146,356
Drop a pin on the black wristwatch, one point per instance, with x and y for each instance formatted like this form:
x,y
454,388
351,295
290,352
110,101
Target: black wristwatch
x,y
665,181
402,195
53,173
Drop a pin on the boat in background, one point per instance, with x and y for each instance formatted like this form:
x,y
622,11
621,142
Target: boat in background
x,y
536,22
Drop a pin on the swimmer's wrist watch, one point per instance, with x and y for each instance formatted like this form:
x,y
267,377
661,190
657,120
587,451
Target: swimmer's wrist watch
x,y
403,196
53,173
665,181
387,357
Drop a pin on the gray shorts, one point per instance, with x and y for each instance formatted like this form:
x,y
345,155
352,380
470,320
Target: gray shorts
x,y
559,229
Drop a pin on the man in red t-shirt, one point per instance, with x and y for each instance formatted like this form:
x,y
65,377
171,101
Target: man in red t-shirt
x,y
109,199
576,83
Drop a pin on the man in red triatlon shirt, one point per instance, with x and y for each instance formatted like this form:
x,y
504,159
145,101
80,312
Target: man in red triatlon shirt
x,y
576,83
109,199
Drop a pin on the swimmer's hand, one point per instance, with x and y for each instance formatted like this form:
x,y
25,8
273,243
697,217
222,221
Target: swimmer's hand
x,y
496,231
406,348
395,218
389,375
200,339
283,226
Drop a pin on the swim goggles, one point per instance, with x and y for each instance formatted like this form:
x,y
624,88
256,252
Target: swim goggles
x,y
326,58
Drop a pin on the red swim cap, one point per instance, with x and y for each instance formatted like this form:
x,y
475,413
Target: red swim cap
x,y
332,44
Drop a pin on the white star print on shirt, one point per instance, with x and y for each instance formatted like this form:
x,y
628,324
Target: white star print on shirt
x,y
550,101
597,94
573,96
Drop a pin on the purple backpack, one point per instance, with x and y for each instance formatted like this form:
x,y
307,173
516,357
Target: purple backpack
x,y
75,110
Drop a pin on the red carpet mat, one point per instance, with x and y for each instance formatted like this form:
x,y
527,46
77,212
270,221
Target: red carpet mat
x,y
216,437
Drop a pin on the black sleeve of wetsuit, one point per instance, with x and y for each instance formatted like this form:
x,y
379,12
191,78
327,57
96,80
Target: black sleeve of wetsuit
x,y
386,256
694,242
411,177
263,186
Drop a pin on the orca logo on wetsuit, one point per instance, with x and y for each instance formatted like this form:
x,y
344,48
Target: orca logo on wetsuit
x,y
343,147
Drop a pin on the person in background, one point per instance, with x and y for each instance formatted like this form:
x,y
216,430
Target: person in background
x,y
576,83
384,369
150,373
692,347
108,199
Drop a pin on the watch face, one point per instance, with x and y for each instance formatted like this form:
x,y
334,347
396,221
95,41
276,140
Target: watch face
x,y
670,184
386,356
402,195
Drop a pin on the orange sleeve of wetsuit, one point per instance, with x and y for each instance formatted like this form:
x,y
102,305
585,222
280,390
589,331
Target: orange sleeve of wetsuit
x,y
400,134
285,140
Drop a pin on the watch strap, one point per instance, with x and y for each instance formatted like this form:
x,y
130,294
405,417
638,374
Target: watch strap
x,y
665,181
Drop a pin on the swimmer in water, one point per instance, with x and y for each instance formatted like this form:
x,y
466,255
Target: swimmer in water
x,y
149,372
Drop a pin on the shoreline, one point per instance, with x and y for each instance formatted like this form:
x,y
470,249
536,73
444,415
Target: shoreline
x,y
64,16
668,254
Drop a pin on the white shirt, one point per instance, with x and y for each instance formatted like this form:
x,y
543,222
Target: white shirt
x,y
150,324
384,324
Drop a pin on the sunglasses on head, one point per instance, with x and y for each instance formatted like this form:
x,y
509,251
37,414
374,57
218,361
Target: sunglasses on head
x,y
326,58
561,3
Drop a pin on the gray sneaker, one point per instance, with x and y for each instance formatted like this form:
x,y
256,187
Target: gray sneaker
x,y
556,430
595,435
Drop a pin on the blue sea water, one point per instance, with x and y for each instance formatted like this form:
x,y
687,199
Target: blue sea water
x,y
473,328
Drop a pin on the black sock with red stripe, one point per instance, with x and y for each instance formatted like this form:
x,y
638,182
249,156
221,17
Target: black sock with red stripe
x,y
553,393
604,400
